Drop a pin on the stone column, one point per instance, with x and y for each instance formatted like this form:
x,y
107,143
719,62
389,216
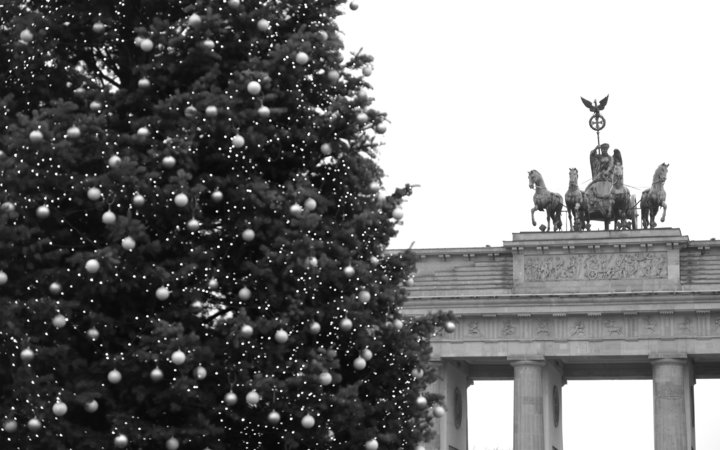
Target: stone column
x,y
528,425
669,404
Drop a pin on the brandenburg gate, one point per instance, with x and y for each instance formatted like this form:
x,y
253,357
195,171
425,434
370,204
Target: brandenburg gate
x,y
544,308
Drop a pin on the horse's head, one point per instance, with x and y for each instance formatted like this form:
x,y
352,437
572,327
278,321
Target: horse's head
x,y
573,175
618,170
534,178
660,173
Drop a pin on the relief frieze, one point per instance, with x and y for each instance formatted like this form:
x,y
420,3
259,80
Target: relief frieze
x,y
617,266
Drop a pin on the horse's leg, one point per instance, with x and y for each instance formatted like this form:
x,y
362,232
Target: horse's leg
x,y
532,215
664,207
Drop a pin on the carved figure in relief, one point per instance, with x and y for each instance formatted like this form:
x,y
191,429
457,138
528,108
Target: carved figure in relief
x,y
654,198
542,327
508,328
475,328
686,325
717,322
544,200
576,202
650,324
578,329
612,328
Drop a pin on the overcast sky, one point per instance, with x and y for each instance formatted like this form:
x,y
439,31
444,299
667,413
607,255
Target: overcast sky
x,y
478,93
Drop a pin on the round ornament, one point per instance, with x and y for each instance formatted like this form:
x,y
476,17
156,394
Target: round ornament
x,y
325,378
296,210
59,321
60,408
375,186
252,398
281,336
92,333
310,204
114,376
128,243
273,417
146,45
194,20
374,260
42,212
245,293
143,83
109,217
98,27
326,149
381,128
95,105
172,444
26,36
7,206
307,421
366,354
421,402
91,406
349,271
263,112
246,331
248,235
450,326
3,277
216,196
302,58
208,44
359,363
27,355
367,71
364,296
346,324
323,35
417,373
362,117
200,373
10,426
92,266
143,132
178,357
314,328
211,111
193,224
114,161
73,132
213,283
230,398
162,293
398,324
138,200
372,444
55,288
311,261
34,424
120,441
397,213
94,194
234,4
354,6
156,374
238,141
263,25
168,162
181,200
190,111
333,75
254,88
438,411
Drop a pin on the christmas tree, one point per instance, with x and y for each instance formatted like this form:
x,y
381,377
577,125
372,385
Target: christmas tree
x,y
193,234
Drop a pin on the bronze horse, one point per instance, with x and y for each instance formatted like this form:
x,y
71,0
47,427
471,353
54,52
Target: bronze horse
x,y
652,199
623,205
551,202
577,205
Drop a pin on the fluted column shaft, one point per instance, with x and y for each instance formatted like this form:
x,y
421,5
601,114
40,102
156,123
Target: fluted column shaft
x,y
528,406
669,404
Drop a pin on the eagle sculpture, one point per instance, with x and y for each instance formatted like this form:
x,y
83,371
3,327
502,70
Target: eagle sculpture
x,y
596,107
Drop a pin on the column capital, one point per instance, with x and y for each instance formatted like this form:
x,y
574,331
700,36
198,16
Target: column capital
x,y
526,360
669,358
